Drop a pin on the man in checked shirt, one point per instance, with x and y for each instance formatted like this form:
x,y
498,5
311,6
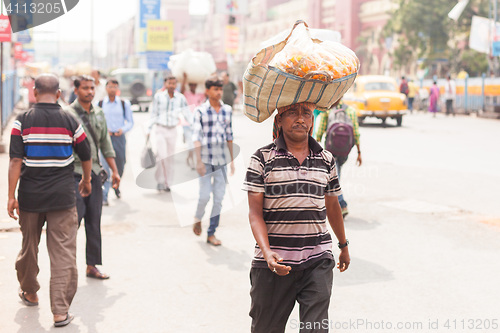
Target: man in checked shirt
x,y
213,142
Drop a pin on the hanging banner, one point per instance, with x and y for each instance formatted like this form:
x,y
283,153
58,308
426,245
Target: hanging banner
x,y
5,32
482,34
232,39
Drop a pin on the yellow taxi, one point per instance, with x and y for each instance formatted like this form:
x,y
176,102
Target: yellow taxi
x,y
377,96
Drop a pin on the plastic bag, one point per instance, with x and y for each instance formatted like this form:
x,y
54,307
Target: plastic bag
x,y
197,65
314,59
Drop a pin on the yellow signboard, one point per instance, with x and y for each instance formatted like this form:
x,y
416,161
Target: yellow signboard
x,y
232,39
160,35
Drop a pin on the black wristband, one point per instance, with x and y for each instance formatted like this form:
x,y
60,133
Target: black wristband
x,y
341,246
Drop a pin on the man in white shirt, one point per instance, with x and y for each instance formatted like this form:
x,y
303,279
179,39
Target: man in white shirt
x,y
450,91
168,108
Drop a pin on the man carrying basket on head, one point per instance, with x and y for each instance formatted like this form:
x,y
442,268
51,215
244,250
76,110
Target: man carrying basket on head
x,y
292,186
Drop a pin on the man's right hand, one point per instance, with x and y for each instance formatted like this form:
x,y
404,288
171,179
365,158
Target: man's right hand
x,y
12,205
85,188
200,168
273,259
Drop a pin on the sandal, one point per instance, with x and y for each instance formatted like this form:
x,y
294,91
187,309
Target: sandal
x,y
69,318
25,300
197,228
96,274
213,241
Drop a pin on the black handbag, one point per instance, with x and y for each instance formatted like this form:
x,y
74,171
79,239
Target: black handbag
x,y
103,174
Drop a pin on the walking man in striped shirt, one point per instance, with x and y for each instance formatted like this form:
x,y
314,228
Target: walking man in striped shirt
x,y
168,107
292,189
41,160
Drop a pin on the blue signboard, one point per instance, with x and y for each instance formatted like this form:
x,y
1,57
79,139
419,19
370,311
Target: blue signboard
x,y
24,37
496,49
149,10
158,60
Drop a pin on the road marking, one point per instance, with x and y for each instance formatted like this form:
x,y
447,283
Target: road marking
x,y
416,206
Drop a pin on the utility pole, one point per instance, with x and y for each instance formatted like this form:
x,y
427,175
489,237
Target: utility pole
x,y
92,33
1,88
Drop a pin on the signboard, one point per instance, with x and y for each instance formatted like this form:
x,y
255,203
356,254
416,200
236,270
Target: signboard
x,y
158,60
18,51
482,34
160,35
496,49
24,36
149,10
231,7
232,39
5,32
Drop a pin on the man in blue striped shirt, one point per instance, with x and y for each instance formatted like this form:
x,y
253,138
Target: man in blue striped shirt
x,y
41,160
213,142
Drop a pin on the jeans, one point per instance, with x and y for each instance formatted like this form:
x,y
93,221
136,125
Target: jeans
x,y
217,173
339,161
410,103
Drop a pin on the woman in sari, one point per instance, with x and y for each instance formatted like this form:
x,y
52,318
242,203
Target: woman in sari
x,y
434,98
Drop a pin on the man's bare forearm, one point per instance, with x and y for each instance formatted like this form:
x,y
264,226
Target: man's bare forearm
x,y
334,214
14,174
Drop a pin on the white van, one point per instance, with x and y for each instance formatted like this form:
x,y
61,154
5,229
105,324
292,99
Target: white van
x,y
135,85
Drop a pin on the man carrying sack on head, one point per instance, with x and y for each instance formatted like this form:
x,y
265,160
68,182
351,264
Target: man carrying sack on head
x,y
293,185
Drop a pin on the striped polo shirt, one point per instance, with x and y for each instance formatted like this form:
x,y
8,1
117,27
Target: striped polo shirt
x,y
44,138
294,202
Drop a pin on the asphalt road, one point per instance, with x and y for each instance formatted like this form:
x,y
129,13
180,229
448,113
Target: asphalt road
x,y
424,225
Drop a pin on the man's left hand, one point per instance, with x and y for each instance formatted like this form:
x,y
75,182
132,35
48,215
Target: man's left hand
x,y
344,259
359,160
119,133
115,179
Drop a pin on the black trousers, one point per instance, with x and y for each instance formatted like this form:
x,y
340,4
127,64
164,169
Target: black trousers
x,y
274,296
449,107
90,209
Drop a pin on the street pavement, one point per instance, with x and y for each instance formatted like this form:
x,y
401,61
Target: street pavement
x,y
424,225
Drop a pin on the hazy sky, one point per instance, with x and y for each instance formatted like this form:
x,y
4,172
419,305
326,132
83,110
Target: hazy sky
x,y
75,25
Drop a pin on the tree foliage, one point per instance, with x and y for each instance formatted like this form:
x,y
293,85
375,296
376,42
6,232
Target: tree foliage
x,y
423,33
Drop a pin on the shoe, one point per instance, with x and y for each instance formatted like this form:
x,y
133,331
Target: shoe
x,y
213,241
105,203
167,189
25,300
118,193
62,323
345,211
96,274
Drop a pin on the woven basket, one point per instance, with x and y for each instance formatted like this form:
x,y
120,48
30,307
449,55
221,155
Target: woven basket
x,y
266,88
